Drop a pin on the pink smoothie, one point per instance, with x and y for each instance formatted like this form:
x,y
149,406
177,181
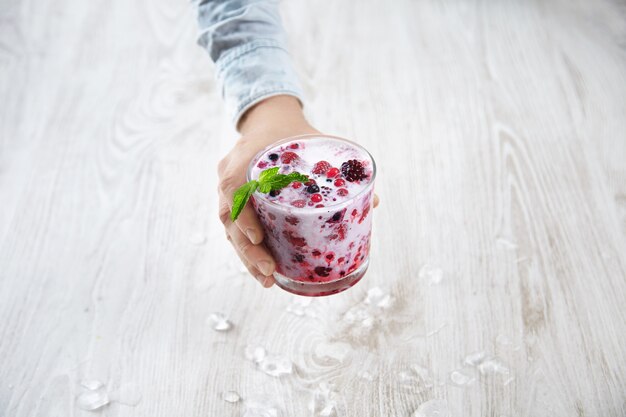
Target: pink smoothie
x,y
319,231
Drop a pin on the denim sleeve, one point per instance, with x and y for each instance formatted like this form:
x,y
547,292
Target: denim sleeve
x,y
246,41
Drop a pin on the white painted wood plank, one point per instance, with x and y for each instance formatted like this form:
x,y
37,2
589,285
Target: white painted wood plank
x,y
499,132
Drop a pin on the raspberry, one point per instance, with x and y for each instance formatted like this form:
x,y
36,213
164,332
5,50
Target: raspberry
x,y
296,185
316,198
339,182
288,157
262,164
298,203
333,172
321,167
294,146
342,192
353,170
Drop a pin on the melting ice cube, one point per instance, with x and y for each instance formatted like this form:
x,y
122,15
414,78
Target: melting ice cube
x,y
219,322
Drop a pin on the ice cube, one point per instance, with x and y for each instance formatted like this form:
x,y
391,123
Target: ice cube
x,y
219,322
92,400
231,397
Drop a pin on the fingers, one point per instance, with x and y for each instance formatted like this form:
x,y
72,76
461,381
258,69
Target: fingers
x,y
249,224
256,258
247,221
376,200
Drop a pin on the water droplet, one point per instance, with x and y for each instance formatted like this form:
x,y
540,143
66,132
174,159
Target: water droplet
x,y
230,397
432,408
197,238
475,358
437,330
408,378
92,400
324,401
276,366
503,340
91,384
366,375
360,316
219,322
255,353
433,274
259,409
127,394
506,242
493,366
299,307
421,371
376,297
461,377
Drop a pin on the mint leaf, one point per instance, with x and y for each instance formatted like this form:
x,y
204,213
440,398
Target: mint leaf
x,y
265,187
297,177
281,181
269,180
241,197
267,174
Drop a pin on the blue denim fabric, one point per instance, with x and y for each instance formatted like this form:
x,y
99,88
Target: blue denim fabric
x,y
246,41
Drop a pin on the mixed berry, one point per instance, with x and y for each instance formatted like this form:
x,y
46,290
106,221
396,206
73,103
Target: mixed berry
x,y
326,244
327,184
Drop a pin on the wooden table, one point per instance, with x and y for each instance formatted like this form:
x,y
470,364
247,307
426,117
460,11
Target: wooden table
x,y
497,282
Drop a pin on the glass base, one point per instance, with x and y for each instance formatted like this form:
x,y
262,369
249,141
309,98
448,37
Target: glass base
x,y
319,289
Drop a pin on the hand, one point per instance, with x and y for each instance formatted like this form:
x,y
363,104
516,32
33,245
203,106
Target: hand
x,y
269,121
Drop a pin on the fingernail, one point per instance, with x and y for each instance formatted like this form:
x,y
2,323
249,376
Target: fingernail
x,y
268,282
253,236
265,267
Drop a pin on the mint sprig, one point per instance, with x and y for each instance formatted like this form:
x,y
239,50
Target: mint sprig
x,y
269,180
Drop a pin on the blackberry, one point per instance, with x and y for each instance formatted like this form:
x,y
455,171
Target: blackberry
x,y
274,193
298,257
353,170
322,271
273,157
313,188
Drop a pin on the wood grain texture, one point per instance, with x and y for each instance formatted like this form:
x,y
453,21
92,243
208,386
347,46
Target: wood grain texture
x,y
499,130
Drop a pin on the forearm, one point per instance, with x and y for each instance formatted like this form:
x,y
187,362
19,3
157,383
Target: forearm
x,y
246,41
282,115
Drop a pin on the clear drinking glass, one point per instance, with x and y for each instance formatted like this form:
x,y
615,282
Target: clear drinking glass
x,y
320,249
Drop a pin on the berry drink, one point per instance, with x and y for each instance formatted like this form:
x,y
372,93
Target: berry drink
x,y
318,231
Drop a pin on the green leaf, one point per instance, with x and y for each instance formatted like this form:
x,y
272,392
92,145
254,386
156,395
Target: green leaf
x,y
241,197
281,181
269,180
265,187
267,174
296,176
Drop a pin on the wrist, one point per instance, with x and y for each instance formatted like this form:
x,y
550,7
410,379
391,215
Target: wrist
x,y
277,115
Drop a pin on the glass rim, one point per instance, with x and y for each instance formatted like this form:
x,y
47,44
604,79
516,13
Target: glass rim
x,y
261,196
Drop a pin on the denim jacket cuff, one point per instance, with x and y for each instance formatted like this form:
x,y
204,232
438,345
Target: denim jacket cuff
x,y
253,72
